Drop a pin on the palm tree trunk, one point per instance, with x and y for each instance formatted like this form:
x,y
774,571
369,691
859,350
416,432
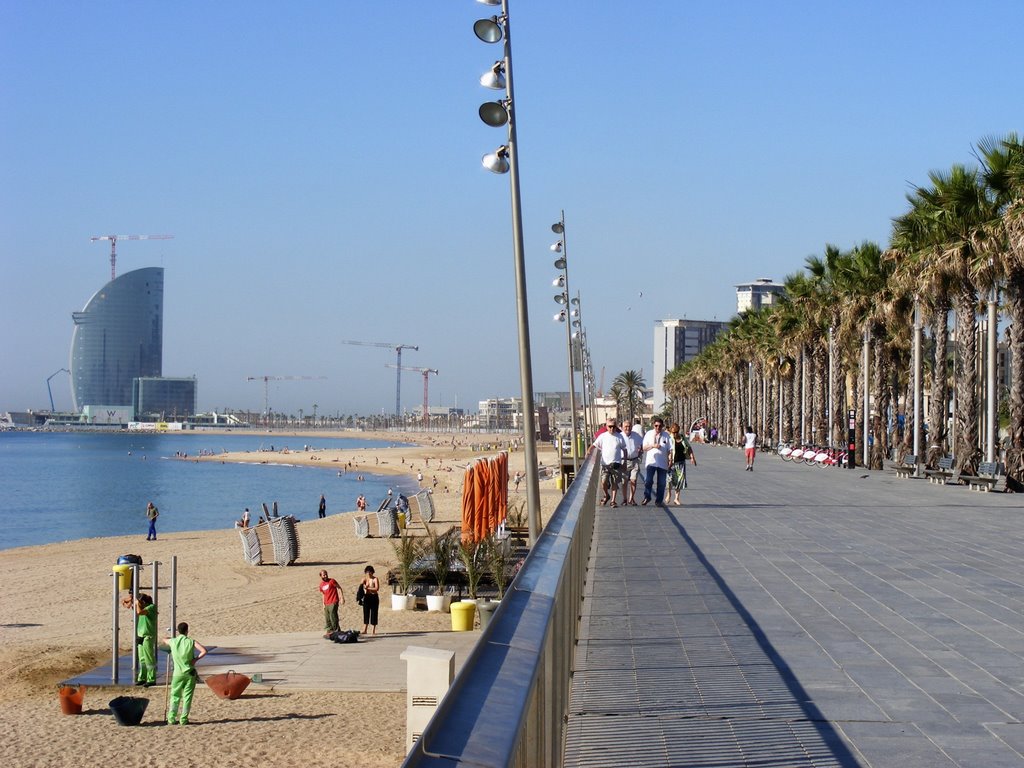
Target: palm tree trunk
x,y
880,400
1015,454
967,452
836,406
939,405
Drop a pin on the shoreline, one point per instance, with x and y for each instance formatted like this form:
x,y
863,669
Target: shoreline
x,y
55,623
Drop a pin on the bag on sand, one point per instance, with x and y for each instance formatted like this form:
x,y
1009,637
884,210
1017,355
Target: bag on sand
x,y
345,636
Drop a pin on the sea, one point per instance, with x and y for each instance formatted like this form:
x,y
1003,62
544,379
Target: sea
x,y
60,486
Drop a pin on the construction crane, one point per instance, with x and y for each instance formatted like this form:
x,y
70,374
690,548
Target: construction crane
x,y
113,245
266,387
398,375
426,372
50,391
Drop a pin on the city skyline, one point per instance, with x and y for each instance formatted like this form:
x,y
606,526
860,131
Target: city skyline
x,y
320,172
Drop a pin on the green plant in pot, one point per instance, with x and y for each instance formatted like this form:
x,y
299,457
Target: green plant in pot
x,y
408,550
470,552
442,549
499,562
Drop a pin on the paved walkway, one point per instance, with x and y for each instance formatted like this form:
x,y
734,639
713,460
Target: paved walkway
x,y
800,616
305,660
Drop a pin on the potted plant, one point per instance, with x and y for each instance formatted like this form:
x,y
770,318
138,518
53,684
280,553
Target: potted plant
x,y
408,552
440,546
499,562
470,553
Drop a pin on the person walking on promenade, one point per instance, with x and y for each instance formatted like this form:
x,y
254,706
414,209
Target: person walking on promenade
x,y
332,591
145,637
612,446
183,650
371,599
682,452
750,447
152,513
322,509
634,447
657,445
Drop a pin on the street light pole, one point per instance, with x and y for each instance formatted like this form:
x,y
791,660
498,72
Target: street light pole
x,y
566,316
491,31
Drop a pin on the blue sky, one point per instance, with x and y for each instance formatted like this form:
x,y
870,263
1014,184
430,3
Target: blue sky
x,y
319,167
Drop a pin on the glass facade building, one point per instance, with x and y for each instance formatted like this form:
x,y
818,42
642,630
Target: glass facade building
x,y
163,398
118,337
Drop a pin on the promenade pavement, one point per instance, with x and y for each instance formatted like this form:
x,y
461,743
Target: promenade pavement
x,y
803,616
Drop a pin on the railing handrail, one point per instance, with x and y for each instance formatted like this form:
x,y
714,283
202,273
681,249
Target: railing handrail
x,y
507,705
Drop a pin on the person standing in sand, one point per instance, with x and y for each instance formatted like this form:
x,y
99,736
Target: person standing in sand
x,y
182,650
322,509
152,513
145,636
331,590
371,599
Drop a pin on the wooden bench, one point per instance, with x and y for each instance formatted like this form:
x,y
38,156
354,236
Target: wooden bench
x,y
944,473
991,477
908,468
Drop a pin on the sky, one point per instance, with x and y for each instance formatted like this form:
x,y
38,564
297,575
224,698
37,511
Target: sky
x,y
318,164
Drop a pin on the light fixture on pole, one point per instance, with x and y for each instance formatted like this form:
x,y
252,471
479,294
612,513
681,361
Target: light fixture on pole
x,y
505,160
562,281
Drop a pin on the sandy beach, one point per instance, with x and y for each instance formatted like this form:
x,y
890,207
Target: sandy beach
x,y
55,624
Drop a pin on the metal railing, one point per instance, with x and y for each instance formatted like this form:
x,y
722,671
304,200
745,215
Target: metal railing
x,y
507,706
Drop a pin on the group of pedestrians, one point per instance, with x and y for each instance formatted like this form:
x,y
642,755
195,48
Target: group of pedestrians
x,y
367,595
626,457
660,457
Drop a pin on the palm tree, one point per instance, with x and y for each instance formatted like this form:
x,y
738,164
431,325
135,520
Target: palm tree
x,y
632,385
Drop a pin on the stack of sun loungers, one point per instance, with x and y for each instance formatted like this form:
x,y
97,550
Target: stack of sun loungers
x,y
426,502
276,541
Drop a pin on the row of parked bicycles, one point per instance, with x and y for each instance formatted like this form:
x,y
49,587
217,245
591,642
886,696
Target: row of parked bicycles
x,y
813,455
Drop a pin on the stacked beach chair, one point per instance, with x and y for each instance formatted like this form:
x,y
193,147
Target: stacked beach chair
x,y
276,541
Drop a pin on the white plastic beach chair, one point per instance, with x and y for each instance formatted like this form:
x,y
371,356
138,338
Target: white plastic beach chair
x,y
362,527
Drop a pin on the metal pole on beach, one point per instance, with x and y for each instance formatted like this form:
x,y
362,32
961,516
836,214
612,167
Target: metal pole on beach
x,y
116,626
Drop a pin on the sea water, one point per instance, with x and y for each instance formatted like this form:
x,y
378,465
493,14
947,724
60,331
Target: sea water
x,y
73,485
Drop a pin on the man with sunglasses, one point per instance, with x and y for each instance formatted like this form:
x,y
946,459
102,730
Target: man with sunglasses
x,y
657,445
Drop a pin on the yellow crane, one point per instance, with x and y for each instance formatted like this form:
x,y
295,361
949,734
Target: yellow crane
x,y
426,372
113,244
266,387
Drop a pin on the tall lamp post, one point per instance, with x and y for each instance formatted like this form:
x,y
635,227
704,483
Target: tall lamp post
x,y
505,159
562,281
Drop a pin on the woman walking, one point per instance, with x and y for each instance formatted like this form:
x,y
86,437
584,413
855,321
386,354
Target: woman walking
x,y
681,452
750,447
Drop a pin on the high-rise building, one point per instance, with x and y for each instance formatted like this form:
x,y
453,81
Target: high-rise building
x,y
760,293
163,398
677,342
118,337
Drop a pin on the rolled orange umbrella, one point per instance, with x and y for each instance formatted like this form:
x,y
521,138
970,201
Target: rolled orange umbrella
x,y
480,500
468,506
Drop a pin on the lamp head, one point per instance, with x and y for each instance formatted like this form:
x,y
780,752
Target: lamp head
x,y
560,263
497,161
557,228
489,2
494,113
560,317
559,282
557,247
559,298
494,78
488,30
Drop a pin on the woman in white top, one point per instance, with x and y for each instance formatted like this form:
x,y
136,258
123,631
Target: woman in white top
x,y
750,447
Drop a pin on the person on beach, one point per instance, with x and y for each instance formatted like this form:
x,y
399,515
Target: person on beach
x,y
656,448
183,651
634,447
612,446
322,509
145,637
682,452
750,447
361,503
371,599
331,590
516,480
152,513
244,522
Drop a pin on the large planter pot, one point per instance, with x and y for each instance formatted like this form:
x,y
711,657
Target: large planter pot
x,y
436,603
128,710
228,685
71,698
399,602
